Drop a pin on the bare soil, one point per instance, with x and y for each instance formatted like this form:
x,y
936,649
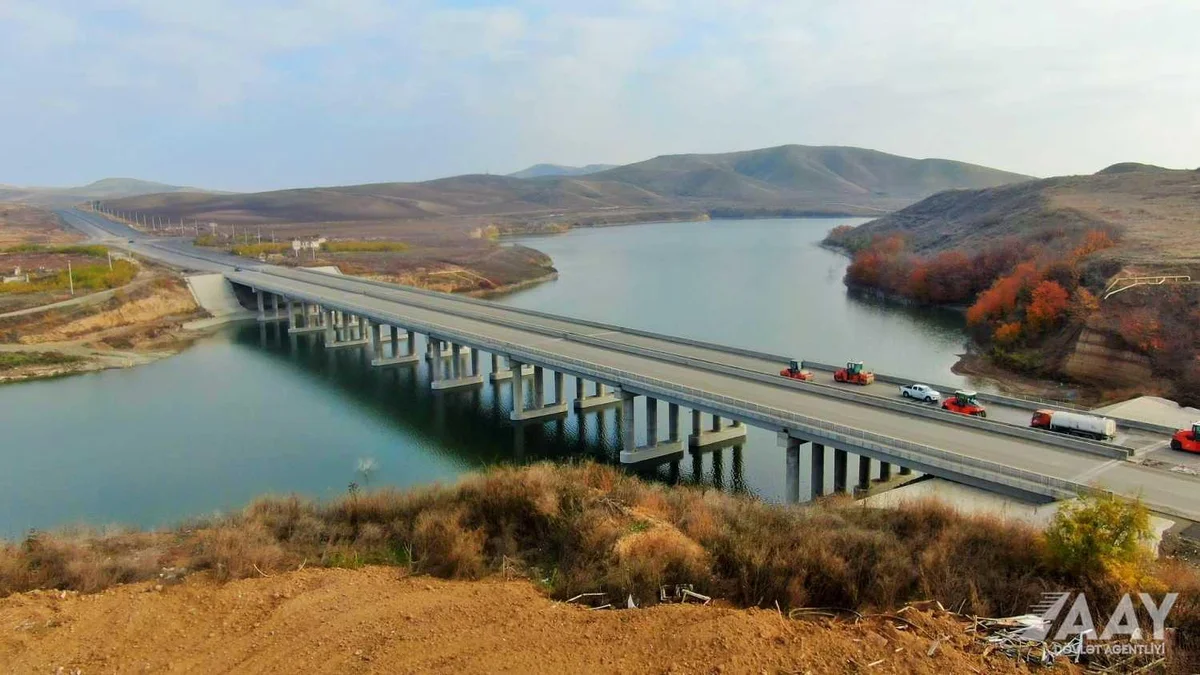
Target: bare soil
x,y
376,619
21,224
136,324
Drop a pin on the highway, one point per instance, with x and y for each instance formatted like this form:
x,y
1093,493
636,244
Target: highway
x,y
716,380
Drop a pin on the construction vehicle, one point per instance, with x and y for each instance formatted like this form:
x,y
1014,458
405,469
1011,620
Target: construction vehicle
x,y
854,374
796,371
1099,428
1187,440
964,403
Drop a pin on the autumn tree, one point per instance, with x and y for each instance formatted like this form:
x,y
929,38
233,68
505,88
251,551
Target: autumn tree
x,y
1049,303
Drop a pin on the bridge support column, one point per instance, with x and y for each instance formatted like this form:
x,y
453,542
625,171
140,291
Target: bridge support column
x,y
376,342
560,397
791,491
310,320
330,328
291,314
817,459
458,378
600,399
397,358
658,452
716,436
885,471
500,374
275,305
343,333
541,409
864,473
905,471
839,470
262,306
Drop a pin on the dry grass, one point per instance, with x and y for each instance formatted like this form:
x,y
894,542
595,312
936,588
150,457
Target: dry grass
x,y
587,528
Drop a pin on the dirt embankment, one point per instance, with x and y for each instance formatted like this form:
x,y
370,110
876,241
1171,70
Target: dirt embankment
x,y
375,619
136,324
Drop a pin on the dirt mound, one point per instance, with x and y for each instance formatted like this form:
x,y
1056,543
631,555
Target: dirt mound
x,y
376,620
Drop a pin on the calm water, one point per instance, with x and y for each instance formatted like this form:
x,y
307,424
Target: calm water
x,y
252,411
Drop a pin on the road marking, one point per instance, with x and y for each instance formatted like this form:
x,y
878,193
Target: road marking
x,y
1097,470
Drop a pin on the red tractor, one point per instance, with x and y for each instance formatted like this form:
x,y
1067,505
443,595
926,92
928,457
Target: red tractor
x,y
964,403
1187,440
854,374
795,371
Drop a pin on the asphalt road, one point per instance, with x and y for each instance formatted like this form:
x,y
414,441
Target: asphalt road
x,y
1171,492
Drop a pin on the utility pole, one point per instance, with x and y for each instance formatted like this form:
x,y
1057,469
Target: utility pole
x,y
70,277
109,259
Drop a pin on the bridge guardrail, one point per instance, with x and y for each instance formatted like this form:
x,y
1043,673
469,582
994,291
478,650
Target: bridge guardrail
x,y
846,436
1071,443
992,397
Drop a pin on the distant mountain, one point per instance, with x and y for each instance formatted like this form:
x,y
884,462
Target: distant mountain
x,y
1152,212
788,180
105,188
544,170
799,174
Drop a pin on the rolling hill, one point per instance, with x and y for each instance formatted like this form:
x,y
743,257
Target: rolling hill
x,y
105,188
1152,210
543,170
787,180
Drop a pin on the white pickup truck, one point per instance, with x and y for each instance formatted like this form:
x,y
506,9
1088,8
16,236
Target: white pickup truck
x,y
920,392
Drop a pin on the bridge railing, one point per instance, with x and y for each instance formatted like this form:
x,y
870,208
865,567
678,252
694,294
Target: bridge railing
x,y
987,397
841,435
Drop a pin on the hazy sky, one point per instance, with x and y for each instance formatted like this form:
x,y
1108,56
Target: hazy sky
x,y
259,94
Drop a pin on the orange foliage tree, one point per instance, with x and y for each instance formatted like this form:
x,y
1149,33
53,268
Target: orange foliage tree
x,y
1001,299
1047,307
1007,333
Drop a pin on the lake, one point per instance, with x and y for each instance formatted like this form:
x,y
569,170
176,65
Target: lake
x,y
251,411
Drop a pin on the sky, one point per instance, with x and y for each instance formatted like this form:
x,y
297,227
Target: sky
x,y
263,94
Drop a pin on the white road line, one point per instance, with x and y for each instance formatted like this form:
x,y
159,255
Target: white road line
x,y
1096,470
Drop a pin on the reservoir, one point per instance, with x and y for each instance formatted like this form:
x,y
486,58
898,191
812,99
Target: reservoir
x,y
252,411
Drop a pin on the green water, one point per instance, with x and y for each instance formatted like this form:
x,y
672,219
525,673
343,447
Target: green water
x,y
252,411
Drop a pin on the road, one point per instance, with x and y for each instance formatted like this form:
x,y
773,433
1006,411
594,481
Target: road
x,y
586,344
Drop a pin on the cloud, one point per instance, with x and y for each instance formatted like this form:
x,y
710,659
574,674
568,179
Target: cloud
x,y
277,92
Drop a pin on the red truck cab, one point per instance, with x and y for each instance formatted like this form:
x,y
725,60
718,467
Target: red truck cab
x,y
1187,440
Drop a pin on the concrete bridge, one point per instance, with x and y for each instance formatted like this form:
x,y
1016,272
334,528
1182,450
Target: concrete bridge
x,y
722,388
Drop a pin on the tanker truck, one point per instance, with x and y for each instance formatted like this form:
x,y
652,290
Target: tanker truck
x,y
1078,424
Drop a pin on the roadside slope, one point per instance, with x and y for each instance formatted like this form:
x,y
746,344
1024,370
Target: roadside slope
x,y
375,619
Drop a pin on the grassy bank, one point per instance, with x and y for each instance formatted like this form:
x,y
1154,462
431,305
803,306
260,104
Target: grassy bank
x,y
592,528
14,360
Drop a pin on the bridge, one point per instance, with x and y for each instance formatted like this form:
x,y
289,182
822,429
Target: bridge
x,y
723,388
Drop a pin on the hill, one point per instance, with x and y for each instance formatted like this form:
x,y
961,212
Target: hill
x,y
1151,210
1034,262
798,175
544,170
787,180
105,188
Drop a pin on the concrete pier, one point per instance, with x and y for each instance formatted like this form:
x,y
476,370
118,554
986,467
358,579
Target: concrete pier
x,y
669,450
519,412
598,400
716,435
500,374
791,492
459,375
817,458
885,471
311,320
397,358
864,473
840,460
342,330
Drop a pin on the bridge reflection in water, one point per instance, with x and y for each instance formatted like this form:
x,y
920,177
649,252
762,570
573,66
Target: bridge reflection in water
x,y
473,424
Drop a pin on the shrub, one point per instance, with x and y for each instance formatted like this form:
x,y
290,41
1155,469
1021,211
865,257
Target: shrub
x,y
364,246
1099,534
